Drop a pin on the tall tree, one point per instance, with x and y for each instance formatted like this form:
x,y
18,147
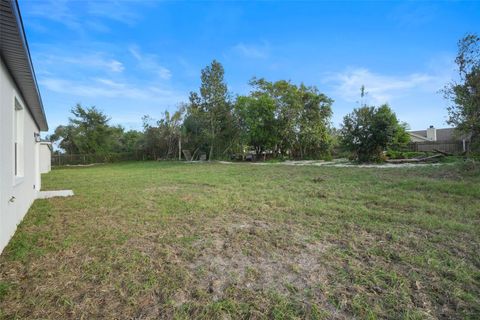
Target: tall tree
x,y
195,126
213,109
464,112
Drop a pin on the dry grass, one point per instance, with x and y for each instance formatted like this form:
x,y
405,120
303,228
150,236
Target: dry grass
x,y
172,240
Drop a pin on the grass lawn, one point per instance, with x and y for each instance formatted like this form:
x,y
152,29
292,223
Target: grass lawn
x,y
174,240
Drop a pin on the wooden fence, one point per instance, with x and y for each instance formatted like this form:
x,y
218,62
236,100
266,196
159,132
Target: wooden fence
x,y
454,147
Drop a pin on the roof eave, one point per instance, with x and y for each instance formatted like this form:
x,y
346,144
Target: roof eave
x,y
32,100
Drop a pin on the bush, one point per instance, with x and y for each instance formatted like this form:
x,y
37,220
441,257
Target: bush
x,y
471,166
368,131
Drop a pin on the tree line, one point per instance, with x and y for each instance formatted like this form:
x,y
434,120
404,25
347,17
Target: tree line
x,y
276,119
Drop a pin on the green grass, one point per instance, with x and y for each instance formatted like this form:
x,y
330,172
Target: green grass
x,y
180,241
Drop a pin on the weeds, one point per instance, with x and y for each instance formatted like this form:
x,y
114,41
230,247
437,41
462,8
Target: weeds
x,y
208,241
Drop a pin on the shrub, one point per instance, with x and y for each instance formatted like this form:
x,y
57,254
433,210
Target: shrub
x,y
368,131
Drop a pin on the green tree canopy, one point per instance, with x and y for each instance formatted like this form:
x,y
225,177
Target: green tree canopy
x,y
89,132
210,120
161,138
302,117
464,112
257,121
368,131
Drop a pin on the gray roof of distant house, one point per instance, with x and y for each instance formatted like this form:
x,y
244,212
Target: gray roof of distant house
x,y
444,134
15,54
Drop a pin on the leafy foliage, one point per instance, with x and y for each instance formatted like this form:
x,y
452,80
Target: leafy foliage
x,y
210,120
88,132
464,113
277,118
161,139
257,121
301,117
368,131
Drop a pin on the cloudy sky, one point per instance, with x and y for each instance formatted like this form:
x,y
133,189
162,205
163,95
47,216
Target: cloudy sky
x,y
132,58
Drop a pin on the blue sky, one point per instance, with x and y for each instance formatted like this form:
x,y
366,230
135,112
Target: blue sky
x,y
132,58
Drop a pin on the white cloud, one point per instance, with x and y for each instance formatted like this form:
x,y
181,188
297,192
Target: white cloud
x,y
88,14
252,51
115,66
148,62
58,11
381,88
95,60
121,11
107,88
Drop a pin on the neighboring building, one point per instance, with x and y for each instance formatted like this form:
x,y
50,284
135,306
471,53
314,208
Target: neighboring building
x,y
45,156
21,119
434,134
445,139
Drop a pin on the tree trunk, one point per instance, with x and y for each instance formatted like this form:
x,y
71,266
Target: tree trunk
x,y
210,156
180,148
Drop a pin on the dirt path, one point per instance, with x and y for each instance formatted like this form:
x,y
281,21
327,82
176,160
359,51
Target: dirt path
x,y
342,163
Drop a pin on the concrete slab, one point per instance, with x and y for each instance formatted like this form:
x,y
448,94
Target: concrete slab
x,y
54,193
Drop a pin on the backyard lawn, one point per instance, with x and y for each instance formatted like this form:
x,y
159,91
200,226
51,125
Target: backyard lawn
x,y
169,240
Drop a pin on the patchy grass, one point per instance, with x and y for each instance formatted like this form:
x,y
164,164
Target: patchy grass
x,y
179,241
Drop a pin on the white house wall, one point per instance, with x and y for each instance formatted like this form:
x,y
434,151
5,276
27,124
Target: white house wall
x,y
16,194
45,158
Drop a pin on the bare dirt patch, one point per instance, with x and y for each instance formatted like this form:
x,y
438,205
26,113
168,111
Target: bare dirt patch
x,y
338,163
260,256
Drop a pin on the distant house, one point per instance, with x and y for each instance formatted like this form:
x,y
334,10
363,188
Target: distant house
x,y
434,134
22,117
447,139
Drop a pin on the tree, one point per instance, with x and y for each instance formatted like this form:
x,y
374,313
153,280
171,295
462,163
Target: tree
x,y
66,137
302,116
87,132
130,140
161,138
257,121
151,139
211,112
464,112
93,133
171,130
314,136
195,126
368,131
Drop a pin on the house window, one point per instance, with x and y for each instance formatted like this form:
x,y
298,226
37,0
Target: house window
x,y
18,145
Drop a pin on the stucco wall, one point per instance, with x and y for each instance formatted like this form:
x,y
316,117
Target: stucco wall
x,y
23,189
45,157
415,139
